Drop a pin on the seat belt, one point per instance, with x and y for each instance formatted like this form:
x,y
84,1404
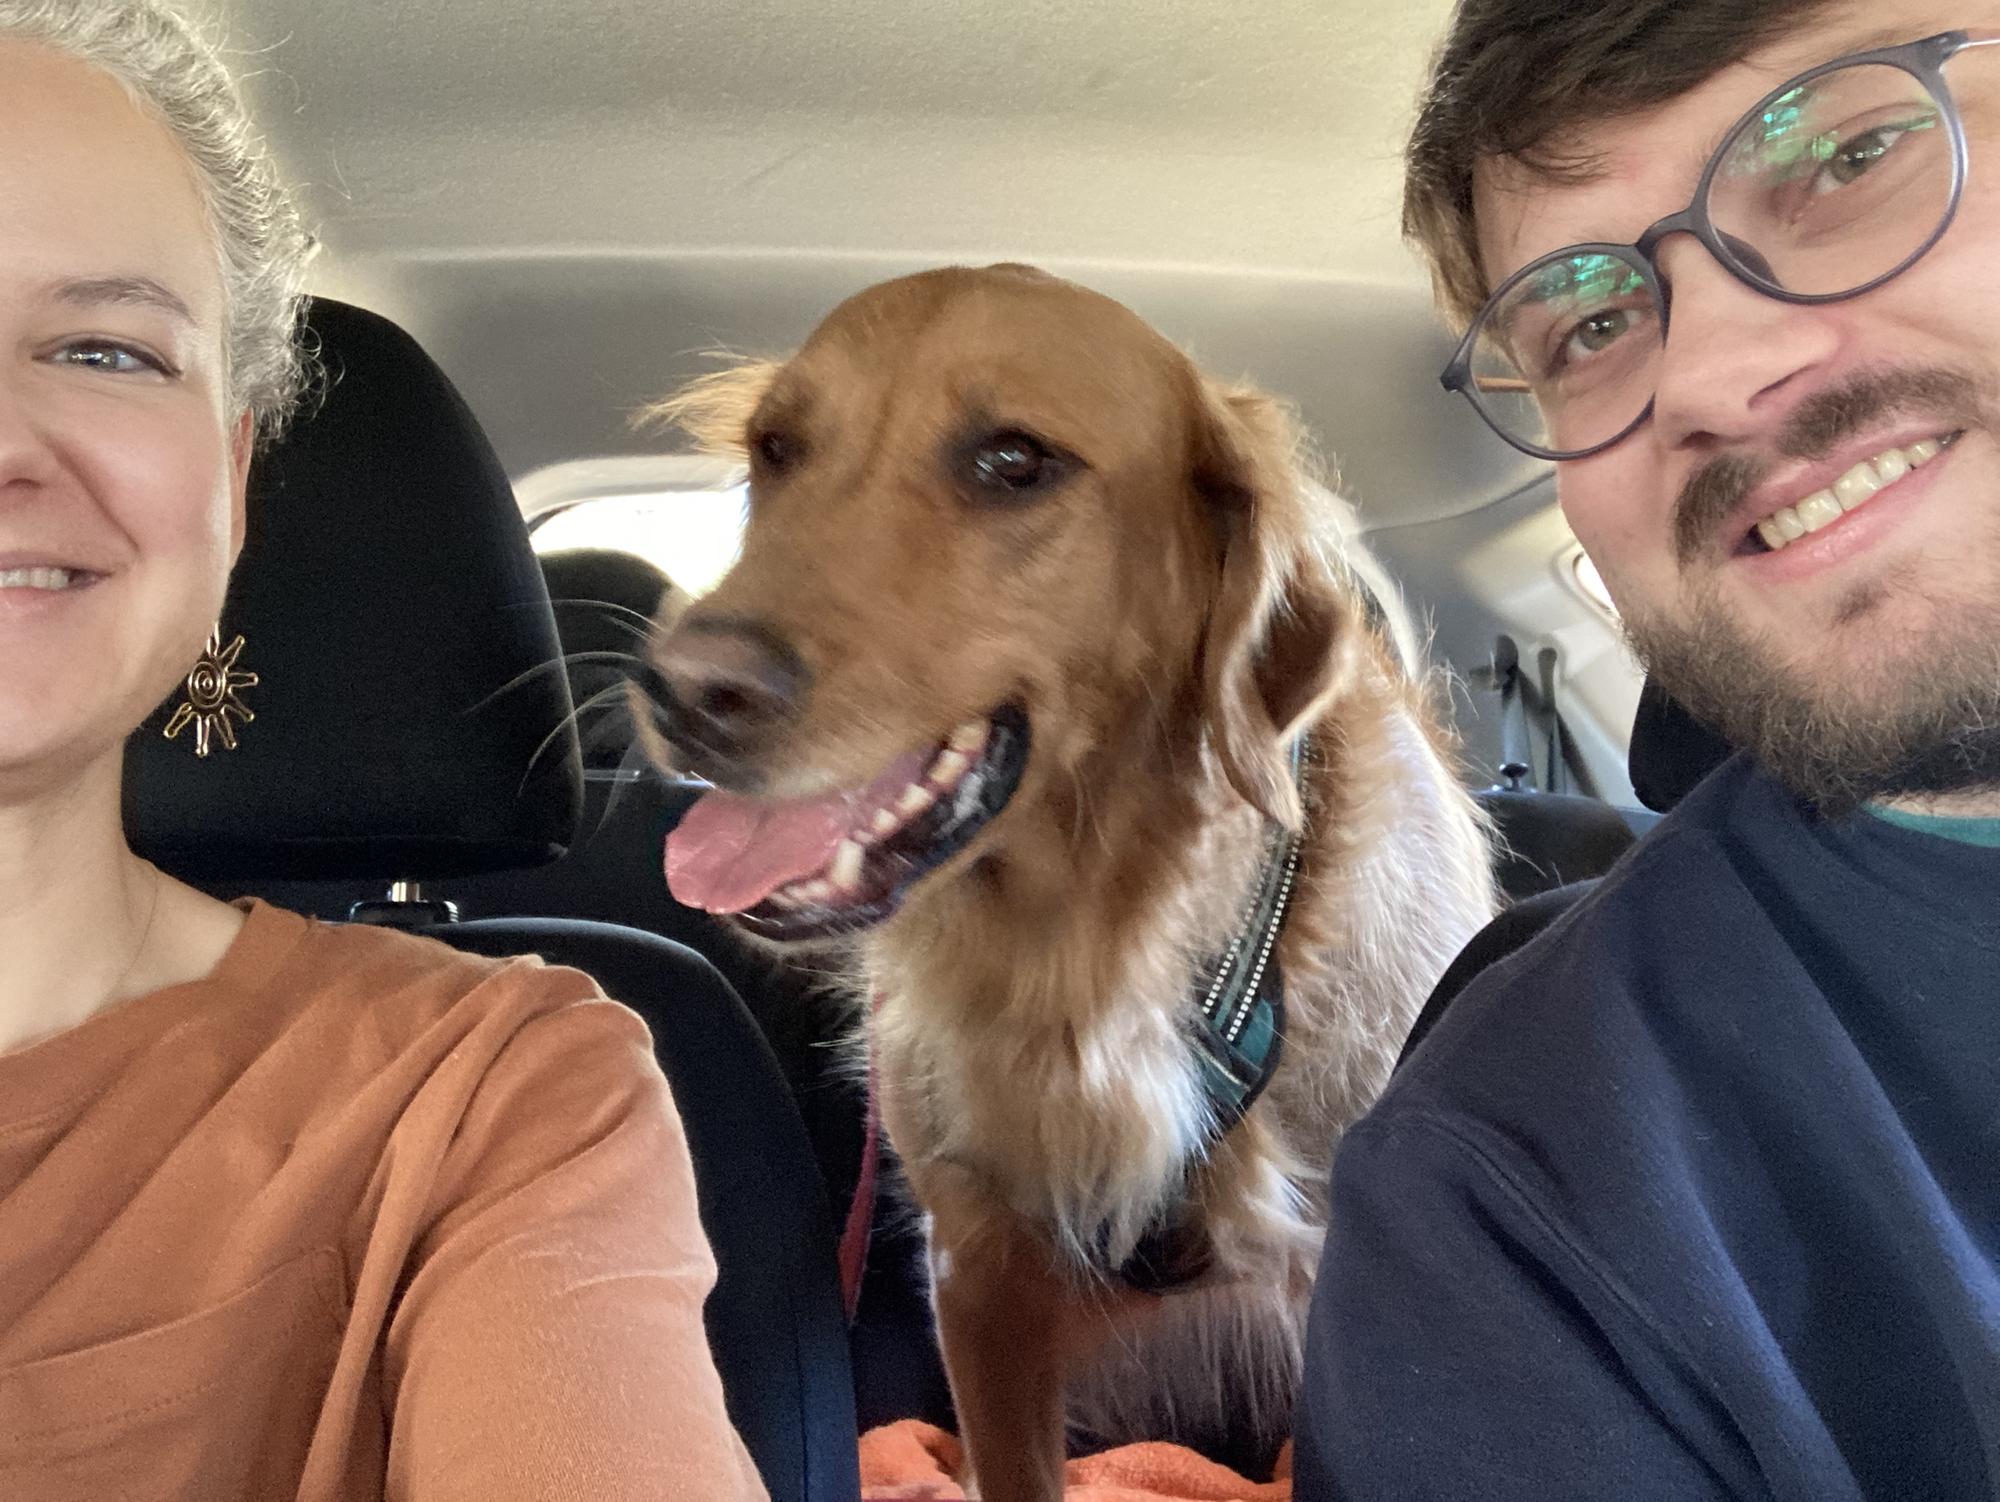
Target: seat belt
x,y
1519,771
1557,780
1517,763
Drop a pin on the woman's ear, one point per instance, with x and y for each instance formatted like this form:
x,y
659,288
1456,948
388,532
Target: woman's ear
x,y
715,410
242,449
1279,643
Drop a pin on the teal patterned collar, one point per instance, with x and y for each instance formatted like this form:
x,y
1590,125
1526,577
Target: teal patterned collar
x,y
1238,1031
1239,1022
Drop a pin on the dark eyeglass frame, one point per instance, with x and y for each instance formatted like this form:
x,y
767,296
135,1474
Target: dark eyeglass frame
x,y
1924,60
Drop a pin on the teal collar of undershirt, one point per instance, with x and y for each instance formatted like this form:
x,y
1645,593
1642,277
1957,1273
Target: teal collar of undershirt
x,y
1982,832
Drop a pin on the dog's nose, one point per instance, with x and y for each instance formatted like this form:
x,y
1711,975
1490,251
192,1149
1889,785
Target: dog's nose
x,y
728,685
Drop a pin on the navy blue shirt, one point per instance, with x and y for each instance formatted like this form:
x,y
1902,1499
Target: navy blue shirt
x,y
1695,1196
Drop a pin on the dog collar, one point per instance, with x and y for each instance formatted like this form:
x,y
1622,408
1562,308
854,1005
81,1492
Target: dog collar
x,y
1239,1020
1238,1031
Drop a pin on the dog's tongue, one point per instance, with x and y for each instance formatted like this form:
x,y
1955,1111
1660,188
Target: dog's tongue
x,y
729,853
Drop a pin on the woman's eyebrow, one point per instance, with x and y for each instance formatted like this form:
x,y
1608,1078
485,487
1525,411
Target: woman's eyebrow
x,y
124,291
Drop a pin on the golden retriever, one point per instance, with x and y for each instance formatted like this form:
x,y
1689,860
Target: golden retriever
x,y
1001,699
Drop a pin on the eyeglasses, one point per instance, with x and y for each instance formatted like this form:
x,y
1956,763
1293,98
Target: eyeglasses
x,y
1834,183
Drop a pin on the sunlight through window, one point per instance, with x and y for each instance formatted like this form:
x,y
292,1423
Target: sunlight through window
x,y
692,536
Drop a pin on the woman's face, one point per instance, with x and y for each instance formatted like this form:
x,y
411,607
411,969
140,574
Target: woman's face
x,y
121,461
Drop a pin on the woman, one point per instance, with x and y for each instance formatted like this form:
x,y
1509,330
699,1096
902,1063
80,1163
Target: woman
x,y
285,1210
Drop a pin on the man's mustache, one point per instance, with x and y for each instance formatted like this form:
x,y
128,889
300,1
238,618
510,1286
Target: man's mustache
x,y
1823,421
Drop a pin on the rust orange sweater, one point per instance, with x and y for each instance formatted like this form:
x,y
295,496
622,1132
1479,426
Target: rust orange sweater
x,y
356,1217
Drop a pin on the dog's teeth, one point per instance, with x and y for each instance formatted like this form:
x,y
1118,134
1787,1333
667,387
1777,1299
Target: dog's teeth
x,y
814,892
969,738
884,824
846,870
914,799
965,798
948,768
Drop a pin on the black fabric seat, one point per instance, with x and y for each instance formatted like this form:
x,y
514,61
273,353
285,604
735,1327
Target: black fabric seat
x,y
613,874
1548,840
604,601
413,723
1671,750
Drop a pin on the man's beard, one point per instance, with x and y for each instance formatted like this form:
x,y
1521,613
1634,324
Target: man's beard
x,y
1916,715
1930,725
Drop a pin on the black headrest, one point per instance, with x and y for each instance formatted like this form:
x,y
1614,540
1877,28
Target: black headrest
x,y
603,599
1671,750
411,717
1552,839
579,578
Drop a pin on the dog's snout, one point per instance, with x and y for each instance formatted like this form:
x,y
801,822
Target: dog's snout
x,y
728,685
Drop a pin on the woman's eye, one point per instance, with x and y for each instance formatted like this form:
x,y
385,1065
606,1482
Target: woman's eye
x,y
112,359
1014,464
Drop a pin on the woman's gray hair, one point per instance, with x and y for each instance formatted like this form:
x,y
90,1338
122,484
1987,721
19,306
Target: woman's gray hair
x,y
177,75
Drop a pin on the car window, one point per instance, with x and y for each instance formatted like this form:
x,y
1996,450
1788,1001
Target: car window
x,y
682,513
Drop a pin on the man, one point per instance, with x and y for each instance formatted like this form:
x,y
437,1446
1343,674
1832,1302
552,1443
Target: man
x,y
1698,1196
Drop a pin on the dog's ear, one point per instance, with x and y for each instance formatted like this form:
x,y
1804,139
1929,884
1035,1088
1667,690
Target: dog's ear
x,y
714,410
1280,639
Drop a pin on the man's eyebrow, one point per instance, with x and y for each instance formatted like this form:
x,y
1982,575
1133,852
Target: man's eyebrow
x,y
1879,37
1872,39
124,291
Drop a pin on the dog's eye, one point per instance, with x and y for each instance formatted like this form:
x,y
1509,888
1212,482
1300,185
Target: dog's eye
x,y
775,450
1014,463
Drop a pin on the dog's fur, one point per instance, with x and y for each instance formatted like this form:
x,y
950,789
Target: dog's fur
x,y
1171,616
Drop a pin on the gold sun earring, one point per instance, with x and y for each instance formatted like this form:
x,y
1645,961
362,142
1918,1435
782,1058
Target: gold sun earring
x,y
211,695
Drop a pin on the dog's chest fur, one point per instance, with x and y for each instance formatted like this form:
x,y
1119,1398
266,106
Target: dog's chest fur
x,y
1078,1118
1051,1062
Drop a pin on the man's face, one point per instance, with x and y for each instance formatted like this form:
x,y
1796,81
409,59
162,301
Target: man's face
x,y
1863,659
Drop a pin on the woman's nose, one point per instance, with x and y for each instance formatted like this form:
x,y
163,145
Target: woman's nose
x,y
25,456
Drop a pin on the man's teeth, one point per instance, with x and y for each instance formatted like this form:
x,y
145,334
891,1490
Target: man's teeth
x,y
1855,488
843,875
37,578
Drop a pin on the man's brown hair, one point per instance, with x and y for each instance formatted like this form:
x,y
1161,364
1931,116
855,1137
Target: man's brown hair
x,y
1516,79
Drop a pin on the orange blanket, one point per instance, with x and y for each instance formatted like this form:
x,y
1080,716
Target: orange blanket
x,y
913,1462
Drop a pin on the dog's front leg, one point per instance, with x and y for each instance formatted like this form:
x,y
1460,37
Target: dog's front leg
x,y
1006,1323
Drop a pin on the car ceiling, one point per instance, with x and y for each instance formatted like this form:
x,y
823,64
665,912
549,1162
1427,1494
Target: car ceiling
x,y
571,202
573,205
